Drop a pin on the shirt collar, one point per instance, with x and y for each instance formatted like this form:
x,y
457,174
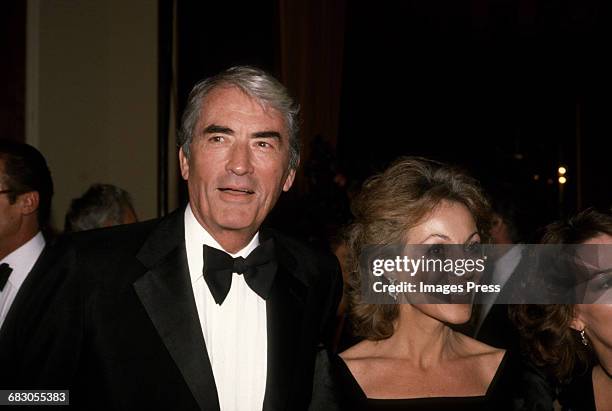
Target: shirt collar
x,y
506,264
196,236
22,260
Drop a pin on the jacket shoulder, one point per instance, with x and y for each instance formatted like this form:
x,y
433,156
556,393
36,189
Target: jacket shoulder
x,y
119,245
117,240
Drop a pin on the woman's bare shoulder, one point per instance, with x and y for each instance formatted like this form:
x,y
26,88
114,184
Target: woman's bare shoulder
x,y
361,356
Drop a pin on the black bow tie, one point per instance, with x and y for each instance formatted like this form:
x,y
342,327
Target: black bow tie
x,y
5,271
259,269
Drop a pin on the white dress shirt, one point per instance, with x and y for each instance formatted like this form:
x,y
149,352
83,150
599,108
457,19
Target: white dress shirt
x,y
235,332
21,261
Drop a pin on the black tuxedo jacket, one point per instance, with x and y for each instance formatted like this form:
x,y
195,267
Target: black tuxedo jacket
x,y
497,329
123,331
28,307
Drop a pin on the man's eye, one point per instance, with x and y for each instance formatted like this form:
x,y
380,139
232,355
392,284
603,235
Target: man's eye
x,y
602,280
606,282
263,144
216,139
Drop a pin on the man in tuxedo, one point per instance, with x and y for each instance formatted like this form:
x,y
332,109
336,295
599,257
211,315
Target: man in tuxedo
x,y
491,323
26,189
203,309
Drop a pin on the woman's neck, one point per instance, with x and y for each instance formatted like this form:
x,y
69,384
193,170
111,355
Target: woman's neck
x,y
420,339
604,356
605,372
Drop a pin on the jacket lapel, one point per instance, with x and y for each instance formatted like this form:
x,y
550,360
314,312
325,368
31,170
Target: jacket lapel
x,y
285,313
166,294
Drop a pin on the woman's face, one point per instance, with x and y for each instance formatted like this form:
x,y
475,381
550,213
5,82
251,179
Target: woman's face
x,y
595,319
449,223
596,260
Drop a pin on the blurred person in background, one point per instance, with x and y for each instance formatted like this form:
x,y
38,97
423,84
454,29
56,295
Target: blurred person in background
x,y
490,323
573,342
102,205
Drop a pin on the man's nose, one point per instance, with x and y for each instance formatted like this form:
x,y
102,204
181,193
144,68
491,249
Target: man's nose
x,y
239,161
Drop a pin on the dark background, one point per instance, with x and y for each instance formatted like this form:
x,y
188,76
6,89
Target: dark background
x,y
510,90
494,85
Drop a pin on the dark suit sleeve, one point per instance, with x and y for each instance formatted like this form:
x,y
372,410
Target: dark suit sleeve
x,y
326,394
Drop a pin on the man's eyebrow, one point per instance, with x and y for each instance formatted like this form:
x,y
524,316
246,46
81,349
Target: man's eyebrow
x,y
213,128
267,134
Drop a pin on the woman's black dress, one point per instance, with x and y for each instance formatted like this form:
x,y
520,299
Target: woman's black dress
x,y
578,395
514,387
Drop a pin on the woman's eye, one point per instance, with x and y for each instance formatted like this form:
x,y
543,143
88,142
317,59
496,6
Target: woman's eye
x,y
436,250
474,248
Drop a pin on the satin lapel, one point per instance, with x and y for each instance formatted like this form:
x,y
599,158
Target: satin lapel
x,y
285,313
166,293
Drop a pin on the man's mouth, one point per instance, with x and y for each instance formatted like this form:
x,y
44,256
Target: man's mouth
x,y
236,190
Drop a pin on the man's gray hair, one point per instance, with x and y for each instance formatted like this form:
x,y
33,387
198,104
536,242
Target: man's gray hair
x,y
102,205
257,84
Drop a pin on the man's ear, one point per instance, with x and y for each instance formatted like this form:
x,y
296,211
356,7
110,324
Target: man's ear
x,y
289,179
29,202
496,221
577,322
184,164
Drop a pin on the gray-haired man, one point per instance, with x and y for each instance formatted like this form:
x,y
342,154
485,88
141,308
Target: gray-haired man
x,y
202,309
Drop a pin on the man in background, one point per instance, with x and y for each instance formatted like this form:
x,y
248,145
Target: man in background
x,y
26,189
102,205
491,323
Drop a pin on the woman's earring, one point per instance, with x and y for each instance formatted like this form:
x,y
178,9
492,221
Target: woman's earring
x,y
583,338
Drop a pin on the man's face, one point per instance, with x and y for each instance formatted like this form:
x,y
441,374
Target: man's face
x,y
10,214
239,163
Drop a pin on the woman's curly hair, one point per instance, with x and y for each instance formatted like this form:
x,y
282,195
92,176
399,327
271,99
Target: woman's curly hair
x,y
545,330
548,339
391,203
